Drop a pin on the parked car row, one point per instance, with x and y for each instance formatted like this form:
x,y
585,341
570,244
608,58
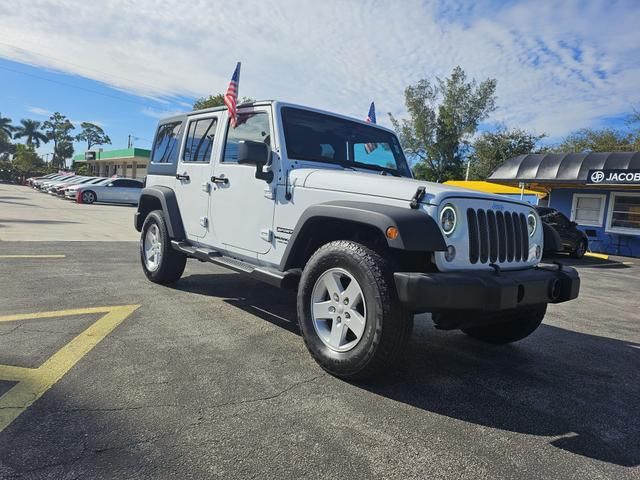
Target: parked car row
x,y
86,189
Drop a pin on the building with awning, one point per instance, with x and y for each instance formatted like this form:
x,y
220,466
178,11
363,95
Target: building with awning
x,y
598,191
125,162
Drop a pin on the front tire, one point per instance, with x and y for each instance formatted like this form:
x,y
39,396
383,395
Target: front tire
x,y
348,311
515,326
580,250
89,197
160,263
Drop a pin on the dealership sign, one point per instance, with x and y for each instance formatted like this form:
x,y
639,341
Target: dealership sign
x,y
613,177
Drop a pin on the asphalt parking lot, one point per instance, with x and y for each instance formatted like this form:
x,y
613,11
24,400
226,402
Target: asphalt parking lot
x,y
209,378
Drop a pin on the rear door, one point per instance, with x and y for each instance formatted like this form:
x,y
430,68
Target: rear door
x,y
193,184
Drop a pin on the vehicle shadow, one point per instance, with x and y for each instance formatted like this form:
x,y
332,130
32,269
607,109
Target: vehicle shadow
x,y
582,391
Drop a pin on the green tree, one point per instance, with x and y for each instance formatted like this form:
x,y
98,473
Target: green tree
x,y
62,152
92,134
58,129
26,160
81,168
215,101
6,128
443,116
492,149
6,147
31,130
604,140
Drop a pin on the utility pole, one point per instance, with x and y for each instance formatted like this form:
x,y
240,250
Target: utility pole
x,y
129,142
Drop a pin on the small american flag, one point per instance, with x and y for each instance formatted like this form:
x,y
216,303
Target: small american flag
x,y
231,97
371,118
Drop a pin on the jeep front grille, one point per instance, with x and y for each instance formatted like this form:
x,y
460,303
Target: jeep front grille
x,y
497,237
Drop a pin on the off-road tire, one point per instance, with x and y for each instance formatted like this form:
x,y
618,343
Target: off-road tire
x,y
388,325
513,326
580,250
172,262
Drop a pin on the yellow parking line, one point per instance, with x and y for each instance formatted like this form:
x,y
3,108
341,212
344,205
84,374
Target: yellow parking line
x,y
597,255
34,382
32,256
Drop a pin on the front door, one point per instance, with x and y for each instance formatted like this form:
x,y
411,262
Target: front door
x,y
242,205
192,177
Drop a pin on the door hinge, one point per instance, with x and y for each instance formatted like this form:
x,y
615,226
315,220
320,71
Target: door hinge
x,y
268,193
206,187
204,221
266,234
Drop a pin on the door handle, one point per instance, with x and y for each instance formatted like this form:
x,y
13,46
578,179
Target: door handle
x,y
223,180
184,176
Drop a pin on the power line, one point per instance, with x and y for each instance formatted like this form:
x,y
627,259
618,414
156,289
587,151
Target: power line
x,y
122,99
32,52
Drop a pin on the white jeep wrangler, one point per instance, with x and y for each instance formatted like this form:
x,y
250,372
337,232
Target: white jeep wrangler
x,y
326,204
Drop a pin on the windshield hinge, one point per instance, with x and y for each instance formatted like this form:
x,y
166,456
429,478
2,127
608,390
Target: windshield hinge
x,y
417,197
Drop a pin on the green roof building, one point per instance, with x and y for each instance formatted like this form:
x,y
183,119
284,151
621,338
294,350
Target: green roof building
x,y
126,162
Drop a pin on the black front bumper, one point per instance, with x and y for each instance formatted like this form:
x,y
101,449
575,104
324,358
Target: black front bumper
x,y
486,291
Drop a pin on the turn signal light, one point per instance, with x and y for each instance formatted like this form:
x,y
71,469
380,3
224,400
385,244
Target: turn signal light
x,y
392,233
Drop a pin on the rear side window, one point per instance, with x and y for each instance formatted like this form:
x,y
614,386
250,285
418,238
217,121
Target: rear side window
x,y
199,141
132,184
165,146
252,126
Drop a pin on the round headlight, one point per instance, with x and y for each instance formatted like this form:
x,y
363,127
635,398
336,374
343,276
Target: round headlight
x,y
532,224
448,219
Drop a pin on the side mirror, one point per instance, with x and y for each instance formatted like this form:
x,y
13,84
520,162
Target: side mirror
x,y
255,153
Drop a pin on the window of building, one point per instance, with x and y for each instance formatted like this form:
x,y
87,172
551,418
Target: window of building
x,y
199,143
165,147
588,209
624,213
252,126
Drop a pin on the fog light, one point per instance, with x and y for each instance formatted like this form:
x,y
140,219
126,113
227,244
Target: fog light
x,y
538,252
450,254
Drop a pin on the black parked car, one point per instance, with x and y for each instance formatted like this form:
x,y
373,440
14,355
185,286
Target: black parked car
x,y
573,240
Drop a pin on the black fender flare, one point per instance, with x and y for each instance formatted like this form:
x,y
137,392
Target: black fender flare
x,y
169,205
551,238
418,232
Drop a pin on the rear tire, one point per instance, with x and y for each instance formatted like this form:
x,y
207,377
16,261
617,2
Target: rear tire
x,y
160,262
515,326
580,250
370,346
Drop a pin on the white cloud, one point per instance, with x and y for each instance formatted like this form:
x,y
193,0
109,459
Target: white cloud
x,y
560,64
42,112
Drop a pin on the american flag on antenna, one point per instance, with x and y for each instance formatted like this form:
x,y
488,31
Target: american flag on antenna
x,y
231,97
371,118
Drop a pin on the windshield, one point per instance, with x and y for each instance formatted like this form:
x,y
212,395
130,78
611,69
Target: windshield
x,y
328,139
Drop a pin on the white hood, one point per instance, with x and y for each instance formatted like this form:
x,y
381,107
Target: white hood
x,y
373,183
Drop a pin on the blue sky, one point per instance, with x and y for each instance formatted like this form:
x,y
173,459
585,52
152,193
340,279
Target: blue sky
x,y
560,65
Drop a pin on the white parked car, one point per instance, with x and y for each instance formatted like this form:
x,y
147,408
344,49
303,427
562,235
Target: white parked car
x,y
326,205
113,190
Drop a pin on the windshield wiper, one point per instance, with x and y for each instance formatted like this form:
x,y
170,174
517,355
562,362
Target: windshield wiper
x,y
377,168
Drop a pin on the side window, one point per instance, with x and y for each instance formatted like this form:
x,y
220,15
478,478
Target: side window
x,y
165,146
199,143
132,184
119,183
252,126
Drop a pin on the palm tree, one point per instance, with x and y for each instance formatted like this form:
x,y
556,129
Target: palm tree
x,y
31,130
5,126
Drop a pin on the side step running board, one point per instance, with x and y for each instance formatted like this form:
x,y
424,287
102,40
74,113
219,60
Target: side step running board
x,y
288,279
